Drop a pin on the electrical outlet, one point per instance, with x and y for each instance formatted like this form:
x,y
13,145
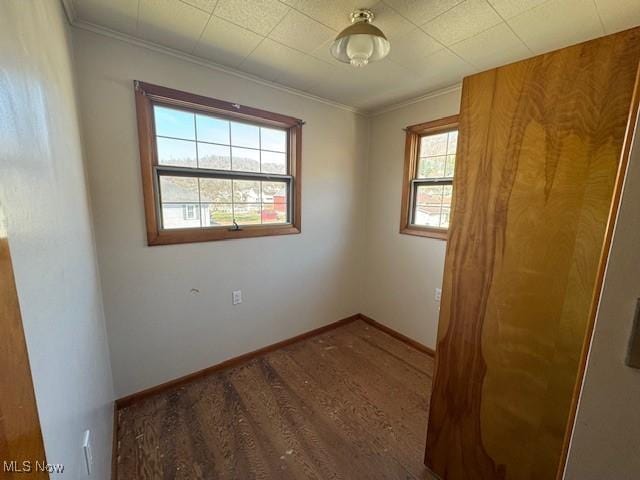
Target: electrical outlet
x,y
437,295
237,297
88,454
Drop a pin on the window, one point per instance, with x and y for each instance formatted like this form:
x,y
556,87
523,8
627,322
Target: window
x,y
430,156
214,170
190,212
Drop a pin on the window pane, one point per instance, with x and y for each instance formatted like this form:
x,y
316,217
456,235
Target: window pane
x,y
244,135
274,213
272,139
431,167
274,192
245,160
436,159
427,216
444,217
429,194
179,153
453,142
211,129
428,205
246,191
450,165
178,189
180,215
447,192
217,157
220,214
274,163
433,145
215,190
171,122
247,213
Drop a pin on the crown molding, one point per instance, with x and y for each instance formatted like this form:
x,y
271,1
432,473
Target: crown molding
x,y
411,101
74,21
69,10
107,32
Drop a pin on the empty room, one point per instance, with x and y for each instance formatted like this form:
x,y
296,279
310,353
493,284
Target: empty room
x,y
320,239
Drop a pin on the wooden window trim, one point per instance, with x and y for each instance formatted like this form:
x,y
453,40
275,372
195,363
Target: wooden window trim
x,y
412,143
146,95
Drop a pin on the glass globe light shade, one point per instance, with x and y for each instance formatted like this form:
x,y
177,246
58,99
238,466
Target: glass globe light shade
x,y
361,42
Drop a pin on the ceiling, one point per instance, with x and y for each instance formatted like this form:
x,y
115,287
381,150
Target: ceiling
x,y
434,43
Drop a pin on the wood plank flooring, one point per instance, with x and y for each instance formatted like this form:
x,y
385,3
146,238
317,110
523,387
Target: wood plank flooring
x,y
347,404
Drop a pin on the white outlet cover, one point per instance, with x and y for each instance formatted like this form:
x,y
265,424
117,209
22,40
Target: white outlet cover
x,y
437,295
88,454
236,297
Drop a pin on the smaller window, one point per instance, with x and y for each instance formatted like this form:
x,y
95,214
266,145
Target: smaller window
x,y
190,212
430,158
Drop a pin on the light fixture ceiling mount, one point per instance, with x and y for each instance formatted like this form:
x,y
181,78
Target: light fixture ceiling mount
x,y
361,42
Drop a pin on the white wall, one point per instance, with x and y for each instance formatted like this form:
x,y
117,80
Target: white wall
x,y
157,329
606,436
401,271
43,192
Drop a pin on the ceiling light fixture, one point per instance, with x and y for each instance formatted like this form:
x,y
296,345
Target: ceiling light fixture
x,y
361,42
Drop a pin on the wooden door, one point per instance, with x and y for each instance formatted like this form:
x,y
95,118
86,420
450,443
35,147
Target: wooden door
x,y
20,435
540,144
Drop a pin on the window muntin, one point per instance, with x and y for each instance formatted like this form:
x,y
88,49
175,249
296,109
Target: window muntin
x,y
432,185
207,163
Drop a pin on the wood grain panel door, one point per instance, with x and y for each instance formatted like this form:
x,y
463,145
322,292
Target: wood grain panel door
x,y
539,150
20,435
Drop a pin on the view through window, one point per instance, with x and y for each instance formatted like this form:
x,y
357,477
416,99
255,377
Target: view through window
x,y
200,144
434,179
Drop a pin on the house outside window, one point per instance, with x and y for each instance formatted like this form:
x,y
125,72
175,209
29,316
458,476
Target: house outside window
x,y
190,212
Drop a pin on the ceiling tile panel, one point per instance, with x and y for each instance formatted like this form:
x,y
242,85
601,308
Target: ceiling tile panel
x,y
556,24
226,43
171,23
305,73
267,60
492,48
421,11
206,5
260,16
511,8
441,69
332,13
463,21
301,32
323,53
390,22
277,62
411,46
619,15
362,86
119,15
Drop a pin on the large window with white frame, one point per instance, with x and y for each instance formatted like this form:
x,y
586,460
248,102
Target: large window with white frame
x,y
216,170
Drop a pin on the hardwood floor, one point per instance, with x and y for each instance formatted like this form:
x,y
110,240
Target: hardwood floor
x,y
348,404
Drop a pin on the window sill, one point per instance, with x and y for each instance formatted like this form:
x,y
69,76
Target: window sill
x,y
437,233
192,235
